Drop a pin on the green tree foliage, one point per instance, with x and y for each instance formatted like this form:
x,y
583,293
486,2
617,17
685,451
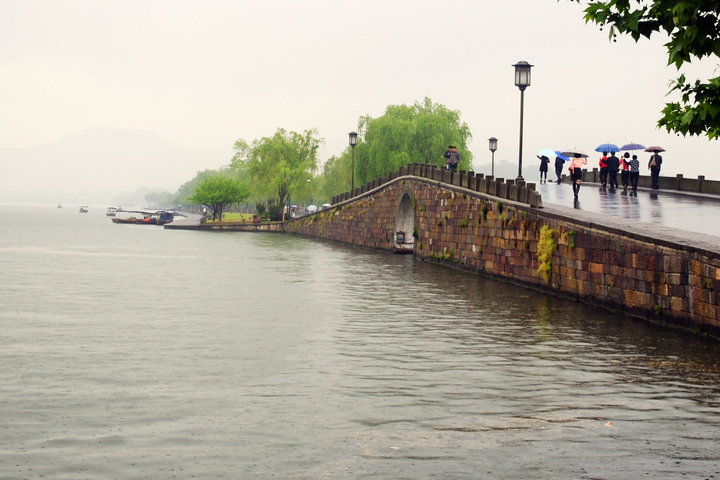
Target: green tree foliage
x,y
187,189
278,166
405,134
693,28
219,191
336,176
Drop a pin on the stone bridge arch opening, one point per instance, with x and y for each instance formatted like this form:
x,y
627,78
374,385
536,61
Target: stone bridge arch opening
x,y
404,225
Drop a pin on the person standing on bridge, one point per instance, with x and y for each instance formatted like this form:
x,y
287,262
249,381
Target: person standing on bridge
x,y
544,161
625,172
575,167
654,166
613,165
453,158
559,164
634,172
603,169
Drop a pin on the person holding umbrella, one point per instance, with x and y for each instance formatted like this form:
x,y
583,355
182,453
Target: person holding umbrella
x,y
603,169
543,167
654,165
575,167
559,164
613,165
625,172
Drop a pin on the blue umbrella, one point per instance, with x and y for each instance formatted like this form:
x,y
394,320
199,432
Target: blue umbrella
x,y
607,147
557,152
632,146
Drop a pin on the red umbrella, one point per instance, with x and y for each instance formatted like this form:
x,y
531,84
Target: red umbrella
x,y
654,149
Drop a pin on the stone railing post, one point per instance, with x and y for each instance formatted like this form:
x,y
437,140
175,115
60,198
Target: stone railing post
x,y
490,185
512,193
500,187
471,181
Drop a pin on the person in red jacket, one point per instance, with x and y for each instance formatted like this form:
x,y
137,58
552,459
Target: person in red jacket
x,y
603,169
624,170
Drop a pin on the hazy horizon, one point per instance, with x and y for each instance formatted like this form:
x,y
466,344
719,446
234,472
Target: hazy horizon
x,y
195,77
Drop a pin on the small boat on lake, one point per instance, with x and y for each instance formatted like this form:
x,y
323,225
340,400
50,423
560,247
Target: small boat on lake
x,y
160,217
84,209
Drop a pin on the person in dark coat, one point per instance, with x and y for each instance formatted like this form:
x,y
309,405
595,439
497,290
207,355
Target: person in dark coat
x,y
559,164
453,158
613,165
543,167
654,166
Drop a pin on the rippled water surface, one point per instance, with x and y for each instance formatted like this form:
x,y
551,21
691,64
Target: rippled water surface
x,y
135,352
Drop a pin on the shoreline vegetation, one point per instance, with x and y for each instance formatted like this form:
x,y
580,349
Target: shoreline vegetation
x,y
284,168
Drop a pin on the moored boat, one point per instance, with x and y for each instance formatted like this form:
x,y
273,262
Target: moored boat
x,y
149,218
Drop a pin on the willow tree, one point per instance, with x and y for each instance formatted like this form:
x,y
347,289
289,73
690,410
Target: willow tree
x,y
280,165
406,134
693,31
336,175
218,192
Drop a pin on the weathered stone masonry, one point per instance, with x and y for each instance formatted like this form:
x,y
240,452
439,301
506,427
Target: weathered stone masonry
x,y
641,275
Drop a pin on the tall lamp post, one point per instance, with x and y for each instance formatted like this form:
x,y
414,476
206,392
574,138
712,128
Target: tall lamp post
x,y
522,81
353,142
493,147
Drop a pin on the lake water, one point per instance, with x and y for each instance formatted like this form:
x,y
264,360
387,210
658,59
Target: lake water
x,y
131,352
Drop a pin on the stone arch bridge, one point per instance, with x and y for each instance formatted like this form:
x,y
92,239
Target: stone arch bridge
x,y
499,228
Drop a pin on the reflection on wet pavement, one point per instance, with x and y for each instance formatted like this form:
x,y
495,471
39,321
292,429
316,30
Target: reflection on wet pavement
x,y
685,212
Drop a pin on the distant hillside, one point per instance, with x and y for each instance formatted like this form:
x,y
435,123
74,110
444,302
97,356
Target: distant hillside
x,y
97,164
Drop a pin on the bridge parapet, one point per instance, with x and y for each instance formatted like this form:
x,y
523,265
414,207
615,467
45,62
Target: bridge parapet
x,y
497,187
678,183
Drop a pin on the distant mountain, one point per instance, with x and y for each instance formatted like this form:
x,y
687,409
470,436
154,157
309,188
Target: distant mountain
x,y
97,164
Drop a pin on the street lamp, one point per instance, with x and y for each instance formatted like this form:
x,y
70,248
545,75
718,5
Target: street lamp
x,y
522,81
353,142
493,147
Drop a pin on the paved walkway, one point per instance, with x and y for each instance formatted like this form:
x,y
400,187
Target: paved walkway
x,y
679,210
187,219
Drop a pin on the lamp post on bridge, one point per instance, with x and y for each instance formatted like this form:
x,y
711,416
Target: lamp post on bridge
x,y
522,81
353,142
493,147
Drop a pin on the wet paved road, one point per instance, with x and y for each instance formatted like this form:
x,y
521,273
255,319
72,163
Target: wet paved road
x,y
693,213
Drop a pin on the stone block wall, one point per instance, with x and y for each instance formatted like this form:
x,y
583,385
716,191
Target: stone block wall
x,y
462,228
679,182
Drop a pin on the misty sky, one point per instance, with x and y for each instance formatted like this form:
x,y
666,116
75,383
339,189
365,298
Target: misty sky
x,y
205,73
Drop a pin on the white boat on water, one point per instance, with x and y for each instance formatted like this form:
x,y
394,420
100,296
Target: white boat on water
x,y
84,209
111,212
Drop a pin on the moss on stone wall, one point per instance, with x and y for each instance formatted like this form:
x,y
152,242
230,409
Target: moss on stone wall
x,y
546,247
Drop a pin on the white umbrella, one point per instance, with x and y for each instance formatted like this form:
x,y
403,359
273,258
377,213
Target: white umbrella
x,y
572,153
